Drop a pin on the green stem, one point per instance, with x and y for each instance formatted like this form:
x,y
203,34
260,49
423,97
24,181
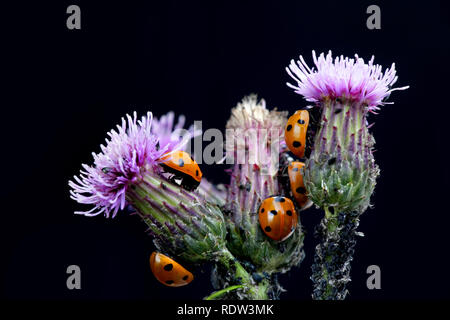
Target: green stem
x,y
220,293
259,292
331,267
332,222
236,273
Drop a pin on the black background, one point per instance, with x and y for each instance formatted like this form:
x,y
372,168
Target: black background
x,y
64,89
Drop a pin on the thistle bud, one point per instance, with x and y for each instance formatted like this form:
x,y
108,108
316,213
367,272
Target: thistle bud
x,y
255,139
341,171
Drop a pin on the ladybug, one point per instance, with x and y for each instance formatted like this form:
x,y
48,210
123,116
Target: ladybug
x,y
296,172
277,217
183,167
295,132
168,271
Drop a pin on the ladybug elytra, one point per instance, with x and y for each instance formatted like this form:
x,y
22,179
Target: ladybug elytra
x,y
295,132
168,271
296,172
183,167
277,217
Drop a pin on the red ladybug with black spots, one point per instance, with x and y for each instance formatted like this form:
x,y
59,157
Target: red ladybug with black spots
x,y
295,132
168,271
183,167
296,173
277,217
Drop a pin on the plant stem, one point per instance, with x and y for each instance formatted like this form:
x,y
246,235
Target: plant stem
x,y
220,293
232,272
331,268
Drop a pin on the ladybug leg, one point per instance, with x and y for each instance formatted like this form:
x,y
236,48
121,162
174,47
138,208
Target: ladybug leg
x,y
186,185
189,184
175,179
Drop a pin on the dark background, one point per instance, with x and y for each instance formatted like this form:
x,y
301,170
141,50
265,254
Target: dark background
x,y
64,89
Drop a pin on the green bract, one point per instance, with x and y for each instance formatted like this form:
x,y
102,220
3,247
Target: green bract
x,y
341,171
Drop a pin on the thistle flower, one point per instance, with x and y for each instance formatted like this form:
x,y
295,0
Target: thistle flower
x,y
126,172
130,151
340,173
350,80
255,138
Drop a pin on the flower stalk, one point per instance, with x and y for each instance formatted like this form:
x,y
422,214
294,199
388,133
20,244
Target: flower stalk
x,y
340,173
334,253
230,273
340,177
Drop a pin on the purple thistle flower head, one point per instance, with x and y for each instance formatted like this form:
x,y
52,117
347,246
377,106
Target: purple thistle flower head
x,y
129,152
171,135
351,80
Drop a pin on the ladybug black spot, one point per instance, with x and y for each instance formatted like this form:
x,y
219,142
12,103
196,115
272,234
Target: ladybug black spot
x,y
262,210
168,267
280,199
169,281
301,121
181,162
274,212
296,144
185,277
289,213
196,173
268,229
301,190
288,128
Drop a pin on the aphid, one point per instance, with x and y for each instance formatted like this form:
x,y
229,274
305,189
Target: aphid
x,y
296,172
277,217
106,170
295,132
168,271
183,167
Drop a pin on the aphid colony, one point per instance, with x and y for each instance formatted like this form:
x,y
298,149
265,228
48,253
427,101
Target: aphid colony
x,y
277,215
